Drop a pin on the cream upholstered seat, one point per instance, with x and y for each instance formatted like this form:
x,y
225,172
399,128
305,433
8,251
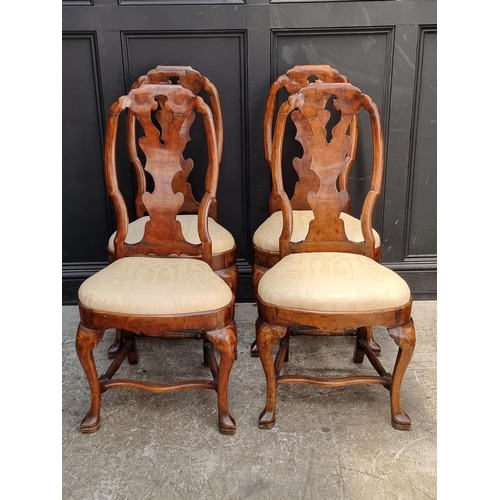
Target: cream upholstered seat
x,y
267,235
222,239
332,281
153,285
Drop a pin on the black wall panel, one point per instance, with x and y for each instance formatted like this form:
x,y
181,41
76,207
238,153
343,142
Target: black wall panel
x,y
387,48
422,227
85,220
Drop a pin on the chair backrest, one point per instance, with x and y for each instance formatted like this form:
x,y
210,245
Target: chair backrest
x,y
192,80
162,111
327,161
292,81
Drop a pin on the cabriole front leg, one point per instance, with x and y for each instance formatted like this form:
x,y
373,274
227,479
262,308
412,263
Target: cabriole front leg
x,y
86,341
404,336
267,337
225,341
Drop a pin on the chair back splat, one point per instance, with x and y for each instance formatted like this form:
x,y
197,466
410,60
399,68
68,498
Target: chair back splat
x,y
161,285
327,283
189,78
326,162
292,81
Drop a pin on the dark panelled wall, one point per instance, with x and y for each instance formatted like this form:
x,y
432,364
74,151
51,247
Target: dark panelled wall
x,y
387,48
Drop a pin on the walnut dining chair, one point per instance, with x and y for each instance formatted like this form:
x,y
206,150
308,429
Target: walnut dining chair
x,y
163,285
328,281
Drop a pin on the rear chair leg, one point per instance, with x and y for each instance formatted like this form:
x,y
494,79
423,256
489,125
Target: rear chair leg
x,y
365,333
359,353
206,346
254,353
117,344
371,341
282,354
132,353
86,341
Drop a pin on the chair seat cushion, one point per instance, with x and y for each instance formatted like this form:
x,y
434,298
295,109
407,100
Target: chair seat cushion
x,y
332,282
267,235
156,286
222,239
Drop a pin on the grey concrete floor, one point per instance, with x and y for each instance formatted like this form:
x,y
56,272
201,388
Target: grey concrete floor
x,y
327,443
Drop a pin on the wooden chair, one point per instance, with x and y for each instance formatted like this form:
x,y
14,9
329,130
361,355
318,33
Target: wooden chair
x,y
327,281
266,237
223,243
162,285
